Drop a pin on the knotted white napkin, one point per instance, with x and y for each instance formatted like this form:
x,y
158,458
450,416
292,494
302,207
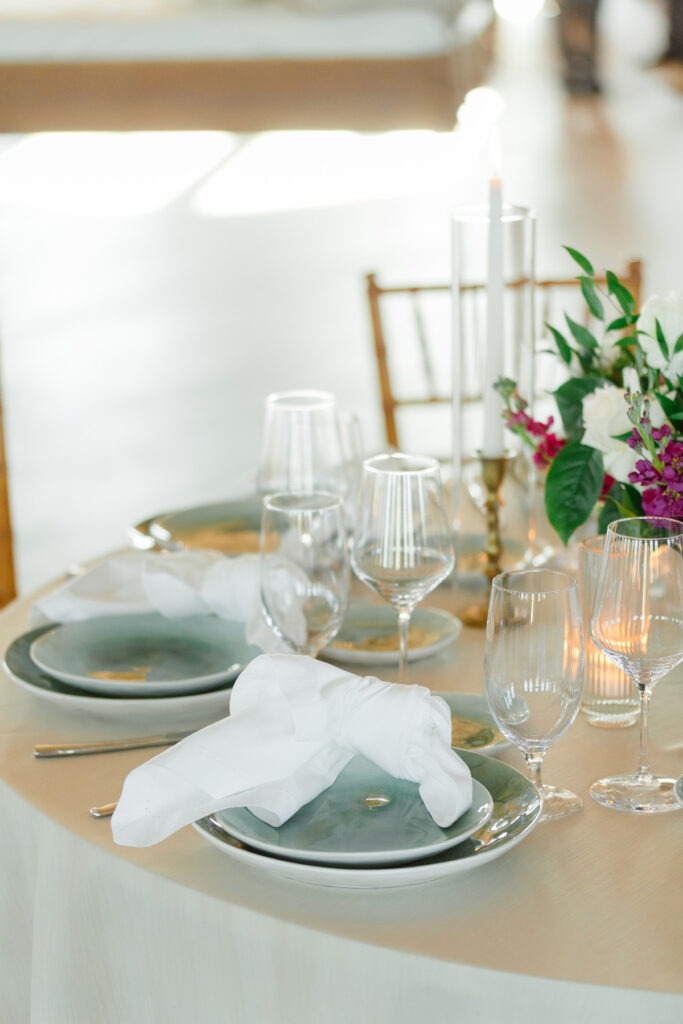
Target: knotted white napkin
x,y
294,724
176,584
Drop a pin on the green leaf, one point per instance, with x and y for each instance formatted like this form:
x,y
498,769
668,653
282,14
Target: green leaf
x,y
630,503
620,324
569,397
669,405
678,347
581,334
661,340
620,293
562,345
609,511
572,487
591,297
585,264
623,501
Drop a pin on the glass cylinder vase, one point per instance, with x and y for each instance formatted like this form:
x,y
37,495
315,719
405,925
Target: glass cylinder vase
x,y
609,695
493,336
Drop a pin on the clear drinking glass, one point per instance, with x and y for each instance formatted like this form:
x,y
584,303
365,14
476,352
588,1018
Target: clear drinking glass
x,y
304,568
638,622
609,698
533,669
302,448
402,541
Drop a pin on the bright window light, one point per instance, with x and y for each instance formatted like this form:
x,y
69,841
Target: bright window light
x,y
307,170
518,10
107,174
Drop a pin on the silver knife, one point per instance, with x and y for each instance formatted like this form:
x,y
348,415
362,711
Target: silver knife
x,y
106,746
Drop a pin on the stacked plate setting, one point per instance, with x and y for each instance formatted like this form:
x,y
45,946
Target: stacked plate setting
x,y
371,831
138,665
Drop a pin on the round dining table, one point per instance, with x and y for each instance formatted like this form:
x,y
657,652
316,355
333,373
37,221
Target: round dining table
x,y
581,922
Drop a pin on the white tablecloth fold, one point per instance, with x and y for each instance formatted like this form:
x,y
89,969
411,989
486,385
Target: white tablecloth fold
x,y
294,724
176,584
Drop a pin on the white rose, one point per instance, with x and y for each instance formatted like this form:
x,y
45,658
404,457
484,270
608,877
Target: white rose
x,y
605,417
668,309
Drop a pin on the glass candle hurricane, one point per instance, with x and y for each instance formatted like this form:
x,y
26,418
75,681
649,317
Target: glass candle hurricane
x,y
609,697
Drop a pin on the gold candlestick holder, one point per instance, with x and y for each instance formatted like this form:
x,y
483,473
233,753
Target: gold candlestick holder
x,y
493,474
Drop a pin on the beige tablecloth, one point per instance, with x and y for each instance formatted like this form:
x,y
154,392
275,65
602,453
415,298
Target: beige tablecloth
x,y
581,922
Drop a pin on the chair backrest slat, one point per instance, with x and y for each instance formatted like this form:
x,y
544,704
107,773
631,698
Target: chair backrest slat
x,y
546,289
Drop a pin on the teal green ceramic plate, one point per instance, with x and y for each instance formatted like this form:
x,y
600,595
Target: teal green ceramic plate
x,y
678,789
203,707
473,727
369,635
233,527
128,655
516,808
365,817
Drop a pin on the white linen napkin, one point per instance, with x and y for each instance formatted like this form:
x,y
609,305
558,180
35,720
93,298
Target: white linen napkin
x,y
294,724
176,584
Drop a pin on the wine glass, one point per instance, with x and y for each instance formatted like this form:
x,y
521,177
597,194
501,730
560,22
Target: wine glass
x,y
304,568
638,622
402,541
533,669
302,447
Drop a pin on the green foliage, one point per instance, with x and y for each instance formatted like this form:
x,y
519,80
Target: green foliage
x,y
623,501
661,340
569,397
572,487
583,262
581,334
620,293
672,407
563,346
591,296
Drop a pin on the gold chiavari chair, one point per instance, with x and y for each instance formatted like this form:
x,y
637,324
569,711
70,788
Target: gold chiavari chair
x,y
429,383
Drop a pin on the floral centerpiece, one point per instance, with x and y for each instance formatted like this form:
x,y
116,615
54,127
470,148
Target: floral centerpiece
x,y
621,410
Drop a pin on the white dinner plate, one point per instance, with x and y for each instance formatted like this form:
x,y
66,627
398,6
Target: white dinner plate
x,y
143,655
365,817
516,809
369,635
194,708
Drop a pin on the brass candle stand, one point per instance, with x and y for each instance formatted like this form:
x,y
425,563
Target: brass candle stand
x,y
493,474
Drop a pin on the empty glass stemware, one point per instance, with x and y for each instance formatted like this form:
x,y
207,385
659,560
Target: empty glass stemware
x,y
533,669
302,449
638,622
304,568
402,541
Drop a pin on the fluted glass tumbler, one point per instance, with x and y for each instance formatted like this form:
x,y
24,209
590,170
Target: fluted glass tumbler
x,y
609,697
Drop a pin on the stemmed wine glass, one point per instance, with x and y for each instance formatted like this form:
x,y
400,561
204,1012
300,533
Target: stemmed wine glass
x,y
302,449
638,623
402,542
533,669
304,568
